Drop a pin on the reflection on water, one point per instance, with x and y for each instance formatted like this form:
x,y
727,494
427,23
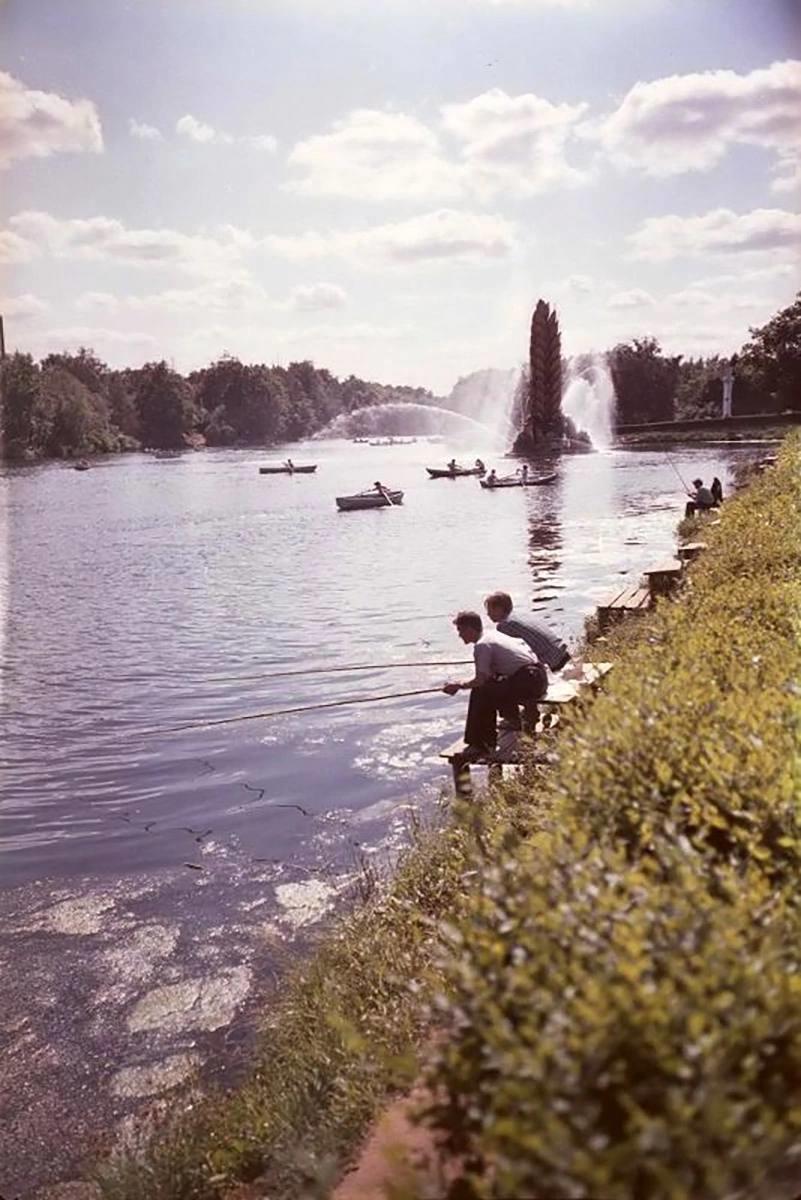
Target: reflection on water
x,y
148,593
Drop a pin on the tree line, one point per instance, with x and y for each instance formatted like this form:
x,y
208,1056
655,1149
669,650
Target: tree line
x,y
70,405
652,386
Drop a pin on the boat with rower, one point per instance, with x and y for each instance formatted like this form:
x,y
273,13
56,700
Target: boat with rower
x,y
512,481
454,472
284,469
387,498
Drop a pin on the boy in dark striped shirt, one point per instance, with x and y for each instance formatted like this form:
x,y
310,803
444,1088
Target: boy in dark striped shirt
x,y
548,648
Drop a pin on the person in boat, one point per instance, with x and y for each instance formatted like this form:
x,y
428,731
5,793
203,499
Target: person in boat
x,y
507,674
547,645
290,464
452,465
716,489
480,466
701,499
492,478
382,491
524,473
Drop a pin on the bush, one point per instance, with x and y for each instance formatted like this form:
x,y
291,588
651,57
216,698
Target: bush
x,y
623,990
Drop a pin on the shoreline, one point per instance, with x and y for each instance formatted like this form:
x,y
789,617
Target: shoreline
x,y
348,1024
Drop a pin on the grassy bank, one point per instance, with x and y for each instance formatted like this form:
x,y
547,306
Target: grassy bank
x,y
613,939
624,986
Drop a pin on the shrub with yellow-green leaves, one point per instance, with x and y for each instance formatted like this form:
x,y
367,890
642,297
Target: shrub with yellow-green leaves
x,y
624,991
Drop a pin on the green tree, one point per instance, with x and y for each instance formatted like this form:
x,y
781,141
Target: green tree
x,y
24,420
645,381
771,361
242,402
164,403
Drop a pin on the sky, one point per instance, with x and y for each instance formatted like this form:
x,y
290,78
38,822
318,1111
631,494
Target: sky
x,y
388,186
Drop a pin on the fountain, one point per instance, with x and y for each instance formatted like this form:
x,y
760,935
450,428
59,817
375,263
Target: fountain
x,y
405,418
589,398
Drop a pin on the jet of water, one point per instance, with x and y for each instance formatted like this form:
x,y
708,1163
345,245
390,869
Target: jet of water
x,y
589,398
404,419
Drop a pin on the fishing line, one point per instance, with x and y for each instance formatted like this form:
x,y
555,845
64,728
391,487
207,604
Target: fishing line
x,y
283,712
678,472
453,662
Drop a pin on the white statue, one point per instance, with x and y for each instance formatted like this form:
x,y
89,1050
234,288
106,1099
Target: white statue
x,y
727,378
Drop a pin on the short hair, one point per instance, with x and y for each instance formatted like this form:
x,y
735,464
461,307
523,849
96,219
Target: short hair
x,y
468,620
500,600
698,483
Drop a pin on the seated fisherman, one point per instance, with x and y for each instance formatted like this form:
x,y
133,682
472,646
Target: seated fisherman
x,y
701,500
507,674
548,647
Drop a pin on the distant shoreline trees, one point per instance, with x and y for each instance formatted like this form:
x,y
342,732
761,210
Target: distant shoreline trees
x,y
74,405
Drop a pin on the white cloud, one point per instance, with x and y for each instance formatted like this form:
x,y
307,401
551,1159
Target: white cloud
x,y
718,232
198,131
315,296
515,142
787,175
15,249
143,131
97,302
238,293
579,284
441,235
374,155
633,298
688,122
23,307
495,142
37,124
104,238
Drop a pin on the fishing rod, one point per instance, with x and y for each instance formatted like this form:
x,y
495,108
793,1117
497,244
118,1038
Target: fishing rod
x,y
283,712
453,662
682,480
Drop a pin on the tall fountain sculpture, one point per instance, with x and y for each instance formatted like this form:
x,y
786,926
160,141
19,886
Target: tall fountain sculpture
x,y
727,379
542,412
543,423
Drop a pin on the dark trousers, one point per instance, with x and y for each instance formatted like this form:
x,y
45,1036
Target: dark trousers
x,y
502,696
691,508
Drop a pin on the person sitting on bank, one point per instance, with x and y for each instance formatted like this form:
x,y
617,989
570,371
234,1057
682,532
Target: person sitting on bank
x,y
547,645
701,499
507,674
717,492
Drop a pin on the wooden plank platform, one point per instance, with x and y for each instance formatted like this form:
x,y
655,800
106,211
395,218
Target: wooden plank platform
x,y
691,550
560,692
633,598
664,577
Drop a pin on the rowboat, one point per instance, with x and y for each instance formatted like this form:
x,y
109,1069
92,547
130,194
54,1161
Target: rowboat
x,y
371,499
283,470
83,465
510,481
457,473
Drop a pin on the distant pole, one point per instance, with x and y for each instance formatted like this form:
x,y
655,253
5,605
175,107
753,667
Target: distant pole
x,y
2,341
728,385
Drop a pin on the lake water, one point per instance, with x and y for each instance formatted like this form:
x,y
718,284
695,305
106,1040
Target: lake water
x,y
150,880
148,593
